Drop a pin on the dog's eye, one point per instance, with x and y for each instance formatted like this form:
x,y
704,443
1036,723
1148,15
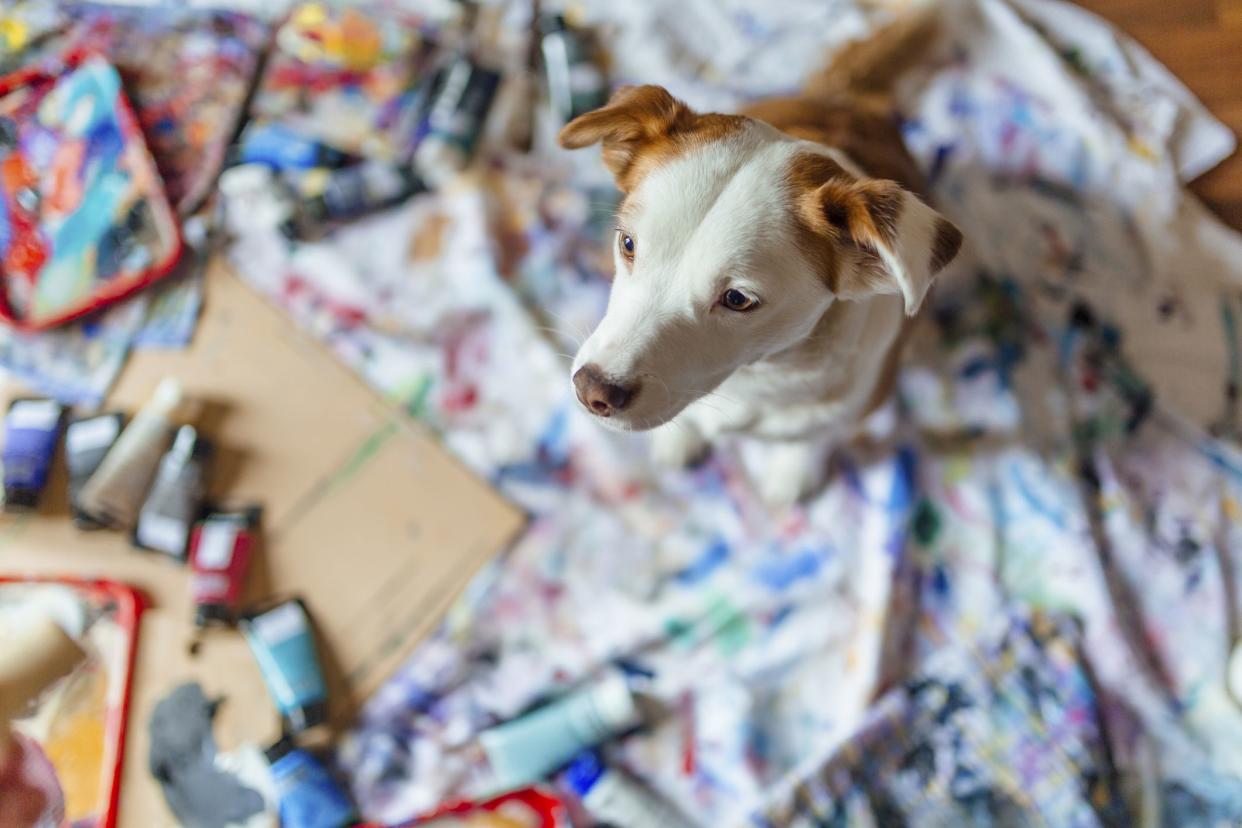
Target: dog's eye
x,y
735,300
626,243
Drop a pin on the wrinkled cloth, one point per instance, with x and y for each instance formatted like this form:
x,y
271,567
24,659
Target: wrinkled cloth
x,y
1060,448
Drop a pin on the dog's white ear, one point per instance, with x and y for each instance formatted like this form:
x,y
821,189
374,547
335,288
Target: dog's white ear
x,y
635,120
886,239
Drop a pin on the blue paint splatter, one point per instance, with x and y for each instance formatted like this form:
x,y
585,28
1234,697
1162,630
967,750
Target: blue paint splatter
x,y
713,556
781,572
1025,488
905,486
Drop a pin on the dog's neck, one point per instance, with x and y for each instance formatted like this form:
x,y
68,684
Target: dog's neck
x,y
838,353
845,328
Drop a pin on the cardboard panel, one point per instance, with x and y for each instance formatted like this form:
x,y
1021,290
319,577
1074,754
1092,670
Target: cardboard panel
x,y
366,517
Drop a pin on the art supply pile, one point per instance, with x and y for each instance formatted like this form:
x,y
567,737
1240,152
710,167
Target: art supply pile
x,y
148,477
1015,604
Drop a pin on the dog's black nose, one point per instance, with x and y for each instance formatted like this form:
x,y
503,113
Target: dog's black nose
x,y
601,395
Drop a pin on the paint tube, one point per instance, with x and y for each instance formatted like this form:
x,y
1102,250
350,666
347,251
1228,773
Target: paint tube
x,y
309,796
613,798
87,441
575,83
276,146
458,106
168,514
529,748
283,642
325,196
31,429
116,490
221,546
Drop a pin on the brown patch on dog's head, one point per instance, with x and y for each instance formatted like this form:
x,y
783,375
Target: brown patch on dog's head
x,y
867,236
643,126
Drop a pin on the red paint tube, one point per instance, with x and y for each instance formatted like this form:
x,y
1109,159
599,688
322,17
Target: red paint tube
x,y
221,546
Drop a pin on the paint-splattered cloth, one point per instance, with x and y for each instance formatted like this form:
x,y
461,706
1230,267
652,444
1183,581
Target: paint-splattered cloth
x,y
1013,605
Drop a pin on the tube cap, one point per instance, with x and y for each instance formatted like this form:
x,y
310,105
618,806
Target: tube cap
x,y
21,499
212,614
279,750
614,703
305,716
168,397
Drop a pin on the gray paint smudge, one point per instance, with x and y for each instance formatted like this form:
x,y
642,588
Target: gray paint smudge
x,y
182,758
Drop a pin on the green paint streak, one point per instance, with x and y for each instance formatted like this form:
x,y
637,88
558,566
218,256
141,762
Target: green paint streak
x,y
927,523
369,448
1231,334
416,397
679,632
731,627
721,623
354,464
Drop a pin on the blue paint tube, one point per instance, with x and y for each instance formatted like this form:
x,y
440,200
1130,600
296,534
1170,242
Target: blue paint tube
x,y
278,147
283,642
309,796
31,430
614,798
529,748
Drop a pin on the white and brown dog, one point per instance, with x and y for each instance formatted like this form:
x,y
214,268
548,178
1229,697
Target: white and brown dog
x,y
767,265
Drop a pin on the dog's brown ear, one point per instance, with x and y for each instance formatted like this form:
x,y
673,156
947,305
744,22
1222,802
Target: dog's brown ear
x,y
634,121
884,239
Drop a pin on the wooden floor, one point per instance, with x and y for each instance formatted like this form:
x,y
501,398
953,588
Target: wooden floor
x,y
1201,42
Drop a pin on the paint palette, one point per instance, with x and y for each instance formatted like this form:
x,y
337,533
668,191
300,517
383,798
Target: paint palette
x,y
79,725
84,220
187,72
345,77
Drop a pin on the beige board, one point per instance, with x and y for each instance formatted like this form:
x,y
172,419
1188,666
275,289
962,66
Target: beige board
x,y
365,516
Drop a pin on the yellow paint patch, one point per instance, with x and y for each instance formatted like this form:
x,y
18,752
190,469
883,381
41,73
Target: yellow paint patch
x,y
1142,149
75,744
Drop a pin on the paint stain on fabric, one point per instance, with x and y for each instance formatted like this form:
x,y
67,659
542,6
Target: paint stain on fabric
x,y
713,556
182,760
926,523
779,573
732,628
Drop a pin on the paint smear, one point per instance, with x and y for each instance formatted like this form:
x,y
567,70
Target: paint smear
x,y
183,761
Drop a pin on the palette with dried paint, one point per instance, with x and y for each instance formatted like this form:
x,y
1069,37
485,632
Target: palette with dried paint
x,y
83,216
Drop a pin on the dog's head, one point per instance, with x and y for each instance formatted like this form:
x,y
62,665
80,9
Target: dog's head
x,y
732,241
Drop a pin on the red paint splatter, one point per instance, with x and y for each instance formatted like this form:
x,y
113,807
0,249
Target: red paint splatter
x,y
689,756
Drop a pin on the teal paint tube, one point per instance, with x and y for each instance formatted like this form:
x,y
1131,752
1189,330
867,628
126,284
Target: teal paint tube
x,y
283,642
529,748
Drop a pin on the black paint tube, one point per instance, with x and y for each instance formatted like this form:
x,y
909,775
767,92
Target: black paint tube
x,y
326,196
168,514
576,84
87,440
463,96
31,432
